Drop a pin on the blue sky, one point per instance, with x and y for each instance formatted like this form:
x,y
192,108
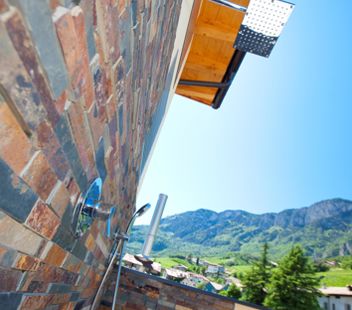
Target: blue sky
x,y
282,137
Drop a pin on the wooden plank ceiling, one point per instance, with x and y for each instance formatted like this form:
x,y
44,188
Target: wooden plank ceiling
x,y
211,49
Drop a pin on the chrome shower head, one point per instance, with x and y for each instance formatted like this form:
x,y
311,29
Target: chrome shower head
x,y
142,210
138,213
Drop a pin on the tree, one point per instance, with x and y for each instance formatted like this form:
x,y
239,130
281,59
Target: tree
x,y
347,263
189,257
218,280
256,279
233,291
293,285
320,267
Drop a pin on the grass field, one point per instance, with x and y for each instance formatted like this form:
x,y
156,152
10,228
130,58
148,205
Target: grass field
x,y
239,268
336,277
168,262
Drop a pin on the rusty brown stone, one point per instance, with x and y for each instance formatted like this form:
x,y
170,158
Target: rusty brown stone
x,y
36,302
75,51
81,134
87,85
46,140
55,256
43,220
39,176
25,262
90,242
3,6
9,279
61,299
26,51
15,148
60,102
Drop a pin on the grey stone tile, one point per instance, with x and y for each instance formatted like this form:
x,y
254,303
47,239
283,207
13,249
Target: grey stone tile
x,y
16,198
37,14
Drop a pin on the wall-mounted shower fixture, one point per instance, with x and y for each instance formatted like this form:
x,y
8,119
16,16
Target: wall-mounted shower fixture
x,y
262,25
88,208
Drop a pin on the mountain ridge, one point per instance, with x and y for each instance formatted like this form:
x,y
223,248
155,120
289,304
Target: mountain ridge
x,y
324,229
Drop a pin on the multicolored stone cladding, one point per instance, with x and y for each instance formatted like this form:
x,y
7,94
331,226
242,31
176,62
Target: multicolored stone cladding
x,y
140,291
79,88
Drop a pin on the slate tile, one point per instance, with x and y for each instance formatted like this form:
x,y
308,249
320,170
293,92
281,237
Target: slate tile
x,y
64,238
43,220
39,176
63,134
15,147
16,198
37,14
58,288
9,279
10,300
100,160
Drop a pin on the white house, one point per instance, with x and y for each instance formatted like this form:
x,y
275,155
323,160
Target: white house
x,y
213,269
194,279
336,298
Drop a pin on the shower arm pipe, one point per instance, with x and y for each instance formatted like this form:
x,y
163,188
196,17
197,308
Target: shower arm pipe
x,y
127,234
122,239
99,293
114,301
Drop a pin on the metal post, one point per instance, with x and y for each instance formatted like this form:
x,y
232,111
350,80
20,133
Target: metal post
x,y
154,224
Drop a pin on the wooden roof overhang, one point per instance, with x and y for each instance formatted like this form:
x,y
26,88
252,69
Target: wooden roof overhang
x,y
209,61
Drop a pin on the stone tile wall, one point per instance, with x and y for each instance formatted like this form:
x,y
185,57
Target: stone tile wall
x,y
79,86
140,291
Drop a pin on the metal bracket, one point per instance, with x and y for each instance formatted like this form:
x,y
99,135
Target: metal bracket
x,y
204,83
231,5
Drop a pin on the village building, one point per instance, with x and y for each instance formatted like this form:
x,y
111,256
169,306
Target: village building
x,y
132,262
181,267
194,279
174,274
214,287
215,270
336,298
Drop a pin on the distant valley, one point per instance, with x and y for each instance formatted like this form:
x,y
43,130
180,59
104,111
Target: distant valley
x,y
324,229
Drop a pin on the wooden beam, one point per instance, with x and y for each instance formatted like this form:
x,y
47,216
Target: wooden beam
x,y
216,31
220,62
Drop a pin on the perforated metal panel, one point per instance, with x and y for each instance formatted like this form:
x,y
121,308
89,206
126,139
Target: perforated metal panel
x,y
262,26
